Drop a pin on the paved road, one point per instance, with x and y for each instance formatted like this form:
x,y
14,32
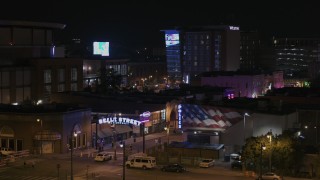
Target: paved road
x,y
86,168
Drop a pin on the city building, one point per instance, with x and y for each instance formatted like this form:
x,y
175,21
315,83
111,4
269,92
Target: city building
x,y
294,56
249,50
45,129
32,66
244,84
191,51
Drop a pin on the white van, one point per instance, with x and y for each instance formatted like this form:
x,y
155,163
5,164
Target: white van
x,y
145,162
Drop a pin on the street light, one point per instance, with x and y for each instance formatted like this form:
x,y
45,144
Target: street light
x,y
115,137
40,120
262,147
269,135
73,136
244,126
123,145
167,129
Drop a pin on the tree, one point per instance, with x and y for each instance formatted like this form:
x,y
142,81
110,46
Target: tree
x,y
286,151
110,81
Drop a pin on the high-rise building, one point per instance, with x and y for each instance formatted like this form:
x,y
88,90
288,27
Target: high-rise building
x,y
249,50
192,51
295,55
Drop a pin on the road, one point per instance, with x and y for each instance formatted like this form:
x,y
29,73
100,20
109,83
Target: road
x,y
57,167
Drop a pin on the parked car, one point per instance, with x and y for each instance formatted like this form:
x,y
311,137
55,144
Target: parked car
x,y
173,168
206,163
269,175
103,157
236,165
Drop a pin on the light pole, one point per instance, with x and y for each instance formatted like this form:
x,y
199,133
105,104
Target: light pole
x,y
40,120
143,138
269,135
73,136
123,145
244,126
167,129
262,147
114,144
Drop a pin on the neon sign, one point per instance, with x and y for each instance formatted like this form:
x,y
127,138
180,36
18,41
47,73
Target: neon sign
x,y
234,28
179,116
145,117
119,120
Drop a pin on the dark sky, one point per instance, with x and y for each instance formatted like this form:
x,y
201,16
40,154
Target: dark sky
x,y
138,24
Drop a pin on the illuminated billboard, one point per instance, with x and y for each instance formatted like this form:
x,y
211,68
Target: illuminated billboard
x,y
172,39
101,48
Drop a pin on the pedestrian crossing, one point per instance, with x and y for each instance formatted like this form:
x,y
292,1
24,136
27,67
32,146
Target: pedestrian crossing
x,y
23,177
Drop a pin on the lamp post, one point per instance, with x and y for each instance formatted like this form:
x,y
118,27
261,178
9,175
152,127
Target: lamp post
x,y
167,129
262,147
40,120
269,135
244,126
73,136
123,145
114,145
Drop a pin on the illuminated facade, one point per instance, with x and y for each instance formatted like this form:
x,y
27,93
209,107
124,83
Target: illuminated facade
x,y
196,50
295,55
173,54
244,85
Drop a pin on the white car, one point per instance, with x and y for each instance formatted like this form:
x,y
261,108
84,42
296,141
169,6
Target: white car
x,y
206,163
269,175
103,157
6,151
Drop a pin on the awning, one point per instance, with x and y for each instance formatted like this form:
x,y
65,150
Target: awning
x,y
104,131
47,135
122,129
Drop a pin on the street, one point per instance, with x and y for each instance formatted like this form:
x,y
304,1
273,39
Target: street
x,y
58,167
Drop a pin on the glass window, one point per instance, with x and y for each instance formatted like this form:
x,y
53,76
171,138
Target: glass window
x,y
47,89
74,87
61,76
47,76
74,74
61,87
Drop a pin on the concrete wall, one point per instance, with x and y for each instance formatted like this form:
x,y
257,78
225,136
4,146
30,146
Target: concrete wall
x,y
256,124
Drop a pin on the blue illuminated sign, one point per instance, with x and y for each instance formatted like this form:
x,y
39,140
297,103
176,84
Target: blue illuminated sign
x,y
179,116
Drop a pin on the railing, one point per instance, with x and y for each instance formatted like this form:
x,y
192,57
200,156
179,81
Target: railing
x,y
5,160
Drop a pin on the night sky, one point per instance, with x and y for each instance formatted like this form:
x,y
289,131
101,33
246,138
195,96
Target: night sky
x,y
138,24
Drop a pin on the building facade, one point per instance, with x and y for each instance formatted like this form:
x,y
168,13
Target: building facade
x,y
197,50
44,129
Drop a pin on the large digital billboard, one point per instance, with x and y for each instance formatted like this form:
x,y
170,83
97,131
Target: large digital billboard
x,y
101,48
172,39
